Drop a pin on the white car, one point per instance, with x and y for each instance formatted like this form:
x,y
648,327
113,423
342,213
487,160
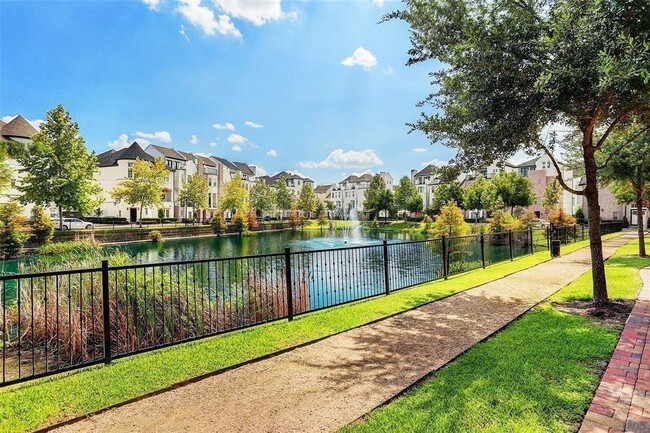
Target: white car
x,y
74,224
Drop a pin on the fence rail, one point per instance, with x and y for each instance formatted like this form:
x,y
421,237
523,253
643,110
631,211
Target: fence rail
x,y
58,321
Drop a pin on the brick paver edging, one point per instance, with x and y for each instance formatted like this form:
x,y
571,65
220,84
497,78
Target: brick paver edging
x,y
621,403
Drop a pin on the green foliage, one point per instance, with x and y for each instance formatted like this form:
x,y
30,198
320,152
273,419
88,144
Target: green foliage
x,y
552,195
195,192
57,167
512,190
262,197
13,230
155,236
450,222
6,173
446,192
330,205
559,218
579,216
405,192
502,221
307,200
240,221
42,226
144,189
218,224
414,204
479,195
371,198
234,197
73,248
322,216
527,220
283,198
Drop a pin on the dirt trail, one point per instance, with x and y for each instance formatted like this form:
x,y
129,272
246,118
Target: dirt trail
x,y
326,385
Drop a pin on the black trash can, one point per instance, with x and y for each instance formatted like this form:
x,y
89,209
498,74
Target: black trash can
x,y
555,248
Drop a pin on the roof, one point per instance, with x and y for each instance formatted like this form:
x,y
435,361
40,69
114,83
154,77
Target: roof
x,y
131,153
288,176
18,127
168,152
269,180
244,168
322,189
363,178
529,163
227,163
426,171
188,156
206,161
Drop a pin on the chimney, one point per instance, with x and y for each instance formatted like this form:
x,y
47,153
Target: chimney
x,y
413,174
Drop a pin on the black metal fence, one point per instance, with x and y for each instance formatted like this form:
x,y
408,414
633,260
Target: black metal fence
x,y
58,321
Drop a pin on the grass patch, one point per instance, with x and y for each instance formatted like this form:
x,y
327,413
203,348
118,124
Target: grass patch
x,y
537,375
68,247
33,405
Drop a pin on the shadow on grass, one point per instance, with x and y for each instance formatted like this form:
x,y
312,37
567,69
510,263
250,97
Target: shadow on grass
x,y
538,374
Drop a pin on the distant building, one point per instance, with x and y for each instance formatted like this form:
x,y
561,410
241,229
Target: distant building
x,y
324,192
349,194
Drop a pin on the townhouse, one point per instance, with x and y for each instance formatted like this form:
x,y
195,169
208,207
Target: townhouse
x,y
349,194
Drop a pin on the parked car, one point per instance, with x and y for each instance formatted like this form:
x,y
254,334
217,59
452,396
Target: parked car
x,y
540,223
74,224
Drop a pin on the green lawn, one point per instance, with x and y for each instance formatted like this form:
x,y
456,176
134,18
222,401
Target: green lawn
x,y
537,375
33,405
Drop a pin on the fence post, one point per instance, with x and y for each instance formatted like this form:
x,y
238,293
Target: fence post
x,y
386,273
575,233
583,231
106,311
445,265
483,250
287,272
510,243
532,248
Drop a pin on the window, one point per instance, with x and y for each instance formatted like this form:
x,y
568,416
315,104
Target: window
x,y
119,213
129,172
13,183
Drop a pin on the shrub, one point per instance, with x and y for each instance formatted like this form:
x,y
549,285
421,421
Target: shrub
x,y
527,220
218,224
624,221
450,222
252,220
80,248
560,218
295,220
13,230
580,216
501,221
155,236
42,226
240,221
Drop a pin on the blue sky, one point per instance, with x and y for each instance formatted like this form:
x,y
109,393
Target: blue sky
x,y
322,85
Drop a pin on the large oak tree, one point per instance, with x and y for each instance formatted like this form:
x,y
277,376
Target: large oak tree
x,y
510,68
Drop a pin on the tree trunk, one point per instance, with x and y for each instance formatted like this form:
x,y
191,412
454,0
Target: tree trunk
x,y
596,243
639,219
60,218
140,216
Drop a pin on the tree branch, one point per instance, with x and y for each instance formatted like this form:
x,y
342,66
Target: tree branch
x,y
611,127
559,172
621,147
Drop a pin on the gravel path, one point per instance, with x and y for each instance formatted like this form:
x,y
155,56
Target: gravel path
x,y
326,385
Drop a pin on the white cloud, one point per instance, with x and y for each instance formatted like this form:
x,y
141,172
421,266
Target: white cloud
x,y
162,136
121,142
296,172
236,138
272,153
228,126
204,18
253,124
361,57
561,130
256,11
36,123
213,144
236,148
182,32
152,4
347,159
419,149
389,70
378,3
435,163
194,139
259,171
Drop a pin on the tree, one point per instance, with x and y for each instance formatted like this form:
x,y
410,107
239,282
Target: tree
x,y
552,195
512,190
446,192
262,197
234,197
13,229
41,225
513,67
144,189
194,191
321,215
415,204
330,206
282,195
57,167
385,203
479,195
307,199
405,192
450,222
628,170
6,173
371,198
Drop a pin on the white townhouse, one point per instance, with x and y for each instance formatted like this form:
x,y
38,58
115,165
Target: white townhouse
x,y
115,167
295,182
178,166
425,182
18,131
349,194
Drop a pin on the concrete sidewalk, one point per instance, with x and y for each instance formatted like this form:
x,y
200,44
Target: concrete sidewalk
x,y
326,385
622,401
